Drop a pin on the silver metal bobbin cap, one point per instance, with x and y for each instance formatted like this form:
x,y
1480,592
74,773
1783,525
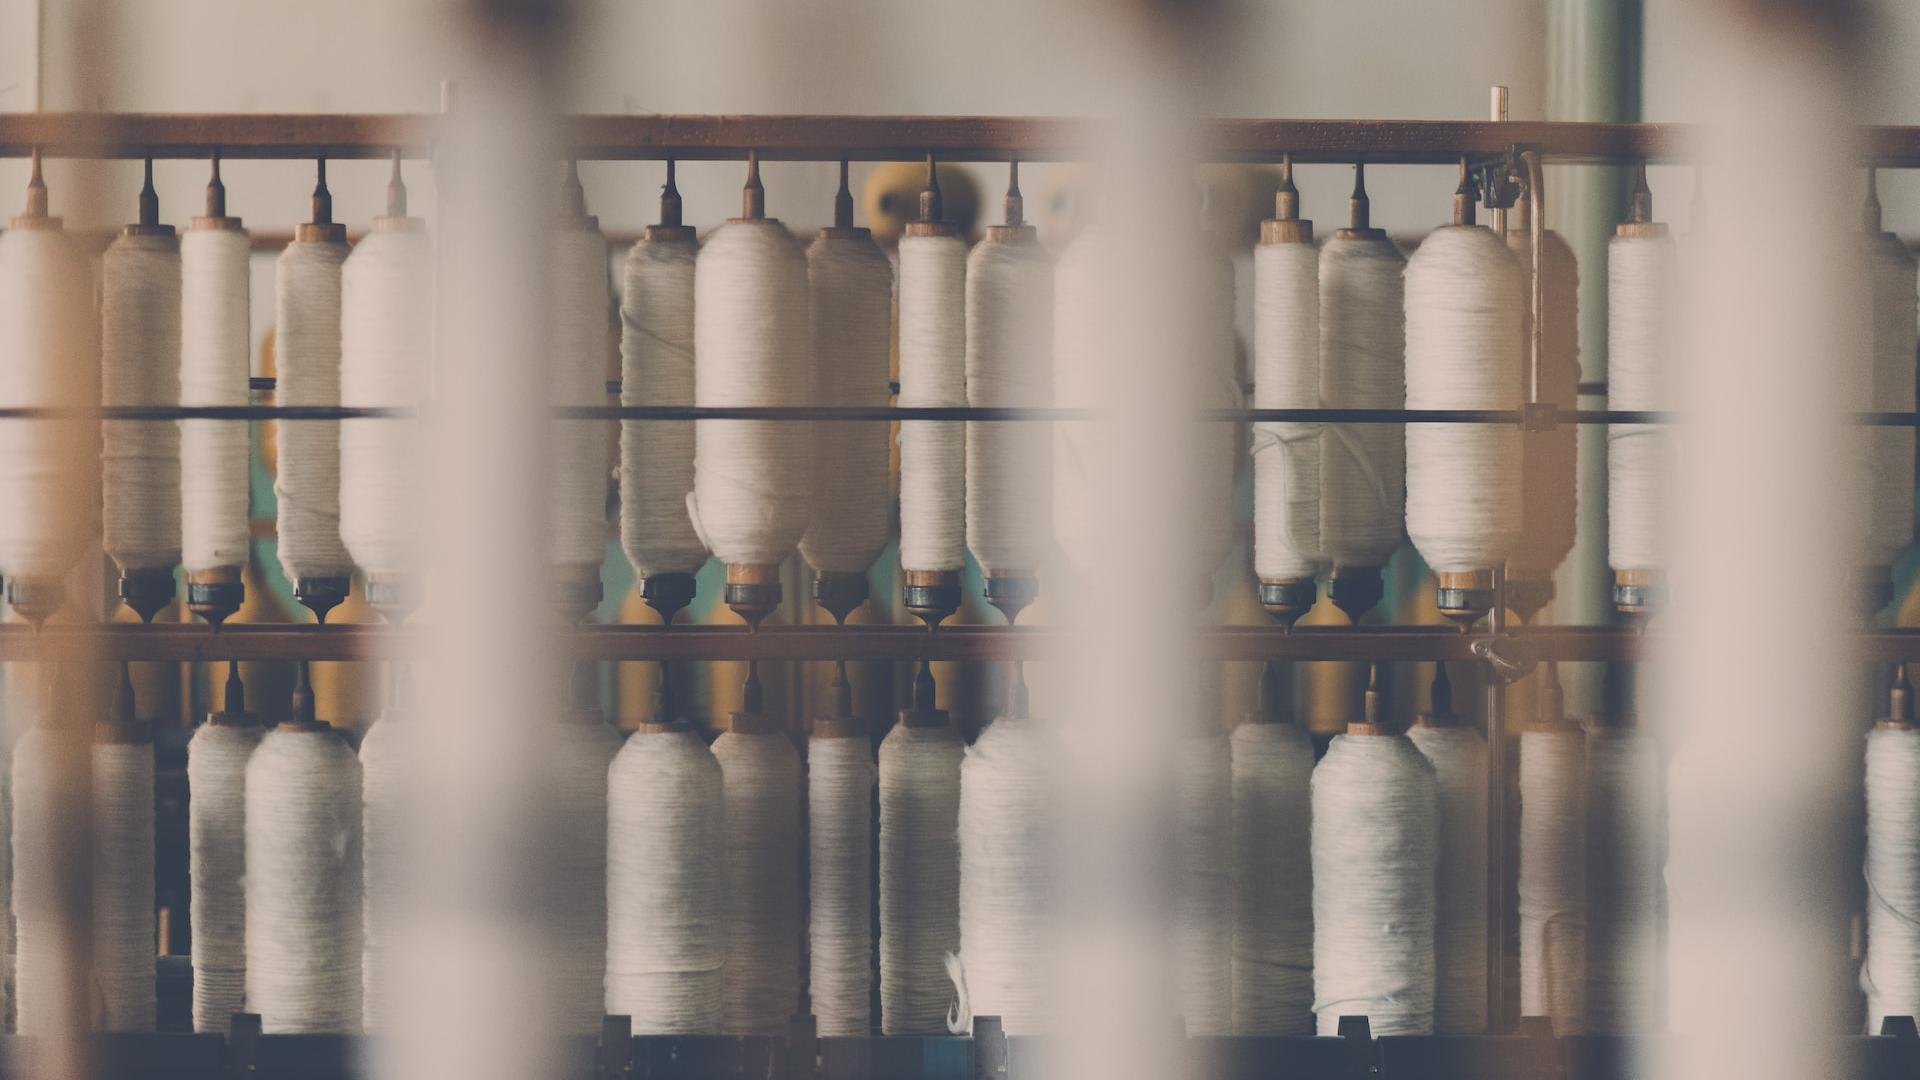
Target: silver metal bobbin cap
x,y
753,590
216,594
1639,593
1288,600
932,595
394,596
1465,596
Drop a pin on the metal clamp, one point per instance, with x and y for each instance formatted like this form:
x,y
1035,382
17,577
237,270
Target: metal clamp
x,y
1509,659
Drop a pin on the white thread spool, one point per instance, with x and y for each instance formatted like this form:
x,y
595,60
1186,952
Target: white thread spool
x,y
580,338
140,365
217,758
753,479
1287,549
656,368
39,959
304,946
1549,492
1641,278
1375,856
215,348
1009,364
1272,879
307,302
933,372
386,360
1363,365
1202,893
920,800
124,943
1006,866
840,781
1459,758
1891,974
1463,352
1553,872
1624,827
1896,339
851,283
582,751
760,860
666,931
47,358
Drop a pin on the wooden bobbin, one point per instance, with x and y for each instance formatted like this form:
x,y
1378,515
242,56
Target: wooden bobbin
x,y
233,707
841,723
932,595
34,217
1899,703
322,229
1371,721
753,590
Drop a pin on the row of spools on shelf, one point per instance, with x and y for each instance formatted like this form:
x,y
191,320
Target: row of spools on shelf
x,y
1281,898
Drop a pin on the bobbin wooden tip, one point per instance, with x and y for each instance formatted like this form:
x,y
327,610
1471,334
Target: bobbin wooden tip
x,y
931,595
924,710
216,215
1286,226
1439,701
841,723
124,726
753,590
1899,702
35,214
1465,596
1372,721
753,197
1639,593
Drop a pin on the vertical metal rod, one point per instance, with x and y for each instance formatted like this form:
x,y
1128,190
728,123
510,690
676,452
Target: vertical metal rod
x,y
1537,293
1497,824
1498,108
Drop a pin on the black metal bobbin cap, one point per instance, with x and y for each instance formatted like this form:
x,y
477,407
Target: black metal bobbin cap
x,y
1355,590
838,592
1287,601
753,600
1528,595
668,593
321,595
1870,588
1011,593
145,592
932,595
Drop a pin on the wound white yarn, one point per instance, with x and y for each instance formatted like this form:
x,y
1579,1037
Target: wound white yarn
x,y
1202,892
216,868
124,937
214,348
579,342
666,930
140,365
1272,873
1896,339
656,368
1006,866
303,883
1375,857
386,360
1363,365
1891,974
760,861
39,959
1463,352
840,778
920,798
753,345
1553,876
47,358
306,485
933,372
1459,757
582,749
1286,375
1641,279
1009,364
386,784
851,283
1549,494
1624,827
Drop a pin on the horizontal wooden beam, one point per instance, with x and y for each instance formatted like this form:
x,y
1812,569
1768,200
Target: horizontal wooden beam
x,y
865,138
